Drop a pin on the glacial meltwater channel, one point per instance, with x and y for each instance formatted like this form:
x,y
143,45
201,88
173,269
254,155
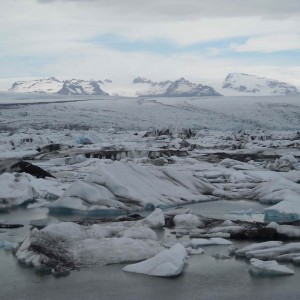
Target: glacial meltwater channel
x,y
204,277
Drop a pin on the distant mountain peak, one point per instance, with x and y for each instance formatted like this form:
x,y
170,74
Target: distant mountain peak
x,y
178,88
252,84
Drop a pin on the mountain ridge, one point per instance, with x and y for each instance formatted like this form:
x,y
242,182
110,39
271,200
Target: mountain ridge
x,y
52,85
253,84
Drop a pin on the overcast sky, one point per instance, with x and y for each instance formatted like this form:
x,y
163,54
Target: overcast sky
x,y
159,39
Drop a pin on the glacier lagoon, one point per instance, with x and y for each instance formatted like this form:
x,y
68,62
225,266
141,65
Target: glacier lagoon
x,y
233,164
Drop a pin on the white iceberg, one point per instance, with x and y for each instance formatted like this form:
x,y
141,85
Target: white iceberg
x,y
268,268
167,263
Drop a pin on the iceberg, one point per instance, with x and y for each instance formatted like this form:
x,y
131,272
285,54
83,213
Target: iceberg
x,y
66,246
268,268
167,263
187,221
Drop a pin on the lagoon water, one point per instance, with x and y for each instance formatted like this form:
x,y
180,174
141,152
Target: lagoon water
x,y
204,277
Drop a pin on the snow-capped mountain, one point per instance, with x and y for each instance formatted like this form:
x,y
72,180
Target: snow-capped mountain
x,y
55,86
178,88
254,85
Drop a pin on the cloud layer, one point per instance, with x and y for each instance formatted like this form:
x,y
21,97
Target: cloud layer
x,y
160,39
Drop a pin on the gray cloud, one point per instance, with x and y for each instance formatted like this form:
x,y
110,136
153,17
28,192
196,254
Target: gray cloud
x,y
192,9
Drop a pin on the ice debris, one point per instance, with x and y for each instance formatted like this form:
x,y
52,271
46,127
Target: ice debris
x,y
187,221
155,220
195,243
8,245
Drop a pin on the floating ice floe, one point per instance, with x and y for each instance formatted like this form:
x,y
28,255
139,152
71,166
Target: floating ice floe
x,y
66,246
228,229
15,189
192,251
290,257
257,246
187,221
167,263
131,186
268,268
195,243
273,252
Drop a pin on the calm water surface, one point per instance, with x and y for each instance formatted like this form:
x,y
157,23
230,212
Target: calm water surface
x,y
204,277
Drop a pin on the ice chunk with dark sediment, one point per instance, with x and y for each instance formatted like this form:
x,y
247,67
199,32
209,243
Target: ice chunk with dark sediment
x,y
167,263
290,231
268,268
65,246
